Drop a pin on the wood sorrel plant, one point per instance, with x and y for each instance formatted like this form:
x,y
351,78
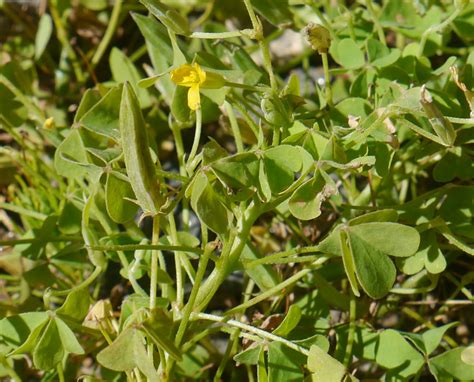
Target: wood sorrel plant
x,y
230,215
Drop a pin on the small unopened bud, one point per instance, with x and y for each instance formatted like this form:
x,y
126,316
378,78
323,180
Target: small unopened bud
x,y
49,123
442,126
99,316
318,37
461,85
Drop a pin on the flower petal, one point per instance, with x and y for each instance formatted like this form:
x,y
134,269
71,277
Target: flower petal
x,y
185,75
194,98
201,74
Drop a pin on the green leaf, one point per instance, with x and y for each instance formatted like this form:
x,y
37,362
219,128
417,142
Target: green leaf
x,y
48,351
43,34
124,70
68,339
284,364
395,354
208,206
173,20
162,341
323,367
467,355
450,365
136,150
17,330
103,117
276,12
432,338
126,353
393,239
249,356
212,211
387,215
72,147
281,164
347,53
434,259
291,320
374,269
159,49
413,264
237,171
212,151
264,190
375,49
76,305
69,221
265,276
456,163
117,191
179,104
348,262
305,203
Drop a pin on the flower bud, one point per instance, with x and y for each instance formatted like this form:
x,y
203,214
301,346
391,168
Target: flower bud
x,y
318,37
442,126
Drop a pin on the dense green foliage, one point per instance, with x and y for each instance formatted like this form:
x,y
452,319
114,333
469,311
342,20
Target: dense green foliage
x,y
237,190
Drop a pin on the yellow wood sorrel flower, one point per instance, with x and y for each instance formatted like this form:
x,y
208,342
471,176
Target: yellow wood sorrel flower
x,y
193,77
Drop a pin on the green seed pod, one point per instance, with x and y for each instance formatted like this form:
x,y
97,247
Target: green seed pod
x,y
442,126
318,37
140,166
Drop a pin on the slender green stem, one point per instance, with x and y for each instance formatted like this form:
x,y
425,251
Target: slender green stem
x,y
351,334
231,252
251,329
322,18
197,137
264,47
13,242
178,263
64,40
327,79
139,53
276,136
246,87
154,261
270,292
220,35
60,371
375,19
207,12
253,18
88,281
154,274
192,298
461,121
276,256
132,247
267,63
234,126
232,343
109,32
436,28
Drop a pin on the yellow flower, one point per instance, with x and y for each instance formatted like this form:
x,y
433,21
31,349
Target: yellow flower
x,y
193,77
